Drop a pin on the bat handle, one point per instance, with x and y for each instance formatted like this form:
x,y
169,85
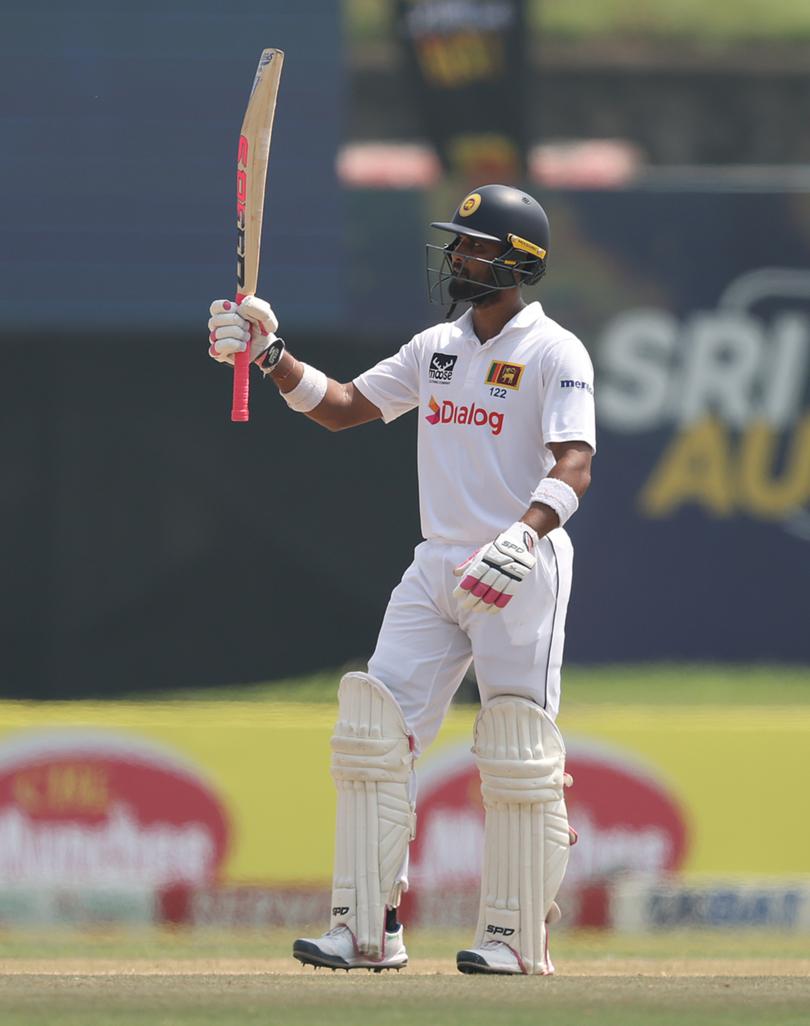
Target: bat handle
x,y
240,411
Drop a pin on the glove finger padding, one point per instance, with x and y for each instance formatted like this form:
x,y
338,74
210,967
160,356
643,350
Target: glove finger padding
x,y
260,313
459,570
229,322
489,578
232,328
223,350
228,333
484,593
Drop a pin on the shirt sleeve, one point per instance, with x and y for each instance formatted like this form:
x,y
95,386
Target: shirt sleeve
x,y
567,393
393,384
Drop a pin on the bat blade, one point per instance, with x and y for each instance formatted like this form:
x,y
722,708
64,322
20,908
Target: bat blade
x,y
252,158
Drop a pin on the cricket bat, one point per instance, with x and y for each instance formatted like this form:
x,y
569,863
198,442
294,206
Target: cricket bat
x,y
251,174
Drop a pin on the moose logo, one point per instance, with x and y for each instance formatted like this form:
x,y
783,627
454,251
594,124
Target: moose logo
x,y
441,368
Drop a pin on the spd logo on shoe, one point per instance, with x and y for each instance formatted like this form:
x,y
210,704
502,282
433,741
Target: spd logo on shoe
x,y
441,368
473,416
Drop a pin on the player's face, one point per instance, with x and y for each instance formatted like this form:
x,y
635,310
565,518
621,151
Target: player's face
x,y
472,277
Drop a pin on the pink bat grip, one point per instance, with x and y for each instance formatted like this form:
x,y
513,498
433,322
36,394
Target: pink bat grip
x,y
241,381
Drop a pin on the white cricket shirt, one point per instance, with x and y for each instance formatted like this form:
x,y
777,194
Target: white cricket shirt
x,y
486,416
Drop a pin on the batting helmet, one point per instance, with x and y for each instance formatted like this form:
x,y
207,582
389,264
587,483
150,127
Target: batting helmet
x,y
503,214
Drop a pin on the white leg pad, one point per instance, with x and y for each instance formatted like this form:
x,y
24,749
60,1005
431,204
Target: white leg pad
x,y
521,758
372,763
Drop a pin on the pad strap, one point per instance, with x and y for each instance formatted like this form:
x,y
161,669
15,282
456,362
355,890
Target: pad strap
x,y
521,758
372,763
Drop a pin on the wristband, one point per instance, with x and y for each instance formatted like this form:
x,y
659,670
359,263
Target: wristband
x,y
309,391
559,496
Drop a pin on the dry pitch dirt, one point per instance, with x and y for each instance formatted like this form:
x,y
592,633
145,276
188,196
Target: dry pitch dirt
x,y
601,982
287,967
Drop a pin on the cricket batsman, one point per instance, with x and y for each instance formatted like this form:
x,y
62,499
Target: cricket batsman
x,y
506,435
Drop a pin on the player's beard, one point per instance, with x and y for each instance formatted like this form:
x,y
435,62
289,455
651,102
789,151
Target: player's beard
x,y
463,289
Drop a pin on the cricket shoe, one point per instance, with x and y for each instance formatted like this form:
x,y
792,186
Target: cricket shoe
x,y
496,958
337,950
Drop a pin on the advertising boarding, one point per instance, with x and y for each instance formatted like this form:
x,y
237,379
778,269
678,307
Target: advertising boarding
x,y
694,542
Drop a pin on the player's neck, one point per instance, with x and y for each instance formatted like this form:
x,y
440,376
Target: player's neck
x,y
490,317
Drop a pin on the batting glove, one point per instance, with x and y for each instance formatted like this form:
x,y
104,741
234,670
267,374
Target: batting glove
x,y
232,327
490,577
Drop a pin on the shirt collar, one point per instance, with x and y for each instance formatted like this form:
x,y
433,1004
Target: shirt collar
x,y
530,314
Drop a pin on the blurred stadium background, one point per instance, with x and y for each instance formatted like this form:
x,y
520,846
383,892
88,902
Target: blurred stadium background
x,y
176,610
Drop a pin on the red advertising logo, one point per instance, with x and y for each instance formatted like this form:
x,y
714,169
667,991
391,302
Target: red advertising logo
x,y
472,416
626,819
97,807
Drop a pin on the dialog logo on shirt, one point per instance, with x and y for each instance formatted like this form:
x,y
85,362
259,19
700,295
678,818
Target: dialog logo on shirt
x,y
456,413
441,368
505,375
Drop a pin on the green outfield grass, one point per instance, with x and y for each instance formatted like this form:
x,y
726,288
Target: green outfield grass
x,y
571,947
658,684
786,21
220,979
694,20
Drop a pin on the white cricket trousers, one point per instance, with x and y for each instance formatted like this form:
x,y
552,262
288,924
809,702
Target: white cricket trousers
x,y
426,642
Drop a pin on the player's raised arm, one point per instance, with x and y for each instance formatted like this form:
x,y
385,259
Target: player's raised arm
x,y
305,389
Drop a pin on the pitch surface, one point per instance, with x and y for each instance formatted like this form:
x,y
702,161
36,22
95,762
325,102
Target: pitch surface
x,y
222,979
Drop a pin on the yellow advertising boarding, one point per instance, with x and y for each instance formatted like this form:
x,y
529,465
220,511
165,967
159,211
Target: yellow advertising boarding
x,y
259,775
